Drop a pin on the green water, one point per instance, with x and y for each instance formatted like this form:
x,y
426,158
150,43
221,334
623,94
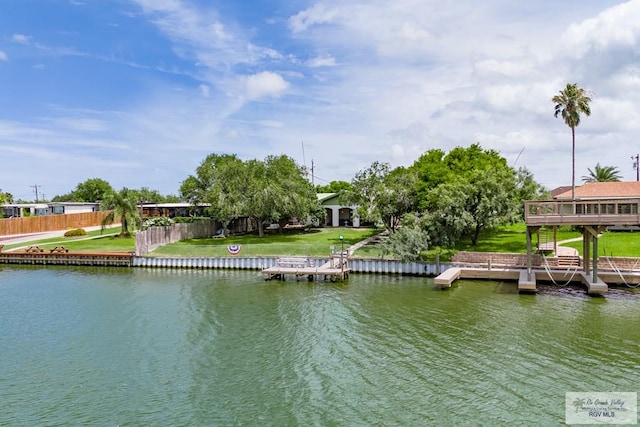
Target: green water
x,y
136,347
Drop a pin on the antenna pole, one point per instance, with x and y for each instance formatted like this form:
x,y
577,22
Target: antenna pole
x,y
304,160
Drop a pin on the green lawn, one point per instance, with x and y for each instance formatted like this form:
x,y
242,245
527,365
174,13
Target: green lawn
x,y
316,242
93,241
614,243
509,238
512,238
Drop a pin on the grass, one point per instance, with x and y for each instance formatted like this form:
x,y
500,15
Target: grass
x,y
512,238
316,242
614,243
508,238
94,241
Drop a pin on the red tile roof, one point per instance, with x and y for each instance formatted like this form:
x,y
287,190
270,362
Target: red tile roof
x,y
556,191
600,190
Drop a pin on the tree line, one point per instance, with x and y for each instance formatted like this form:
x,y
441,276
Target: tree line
x,y
439,200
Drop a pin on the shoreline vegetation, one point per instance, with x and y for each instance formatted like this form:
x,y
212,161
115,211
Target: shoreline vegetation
x,y
322,241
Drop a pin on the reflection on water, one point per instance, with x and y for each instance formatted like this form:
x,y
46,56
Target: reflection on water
x,y
185,347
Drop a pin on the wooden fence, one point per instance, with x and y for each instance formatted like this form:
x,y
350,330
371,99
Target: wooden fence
x,y
154,237
44,223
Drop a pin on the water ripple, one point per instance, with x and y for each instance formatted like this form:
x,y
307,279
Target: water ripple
x,y
186,347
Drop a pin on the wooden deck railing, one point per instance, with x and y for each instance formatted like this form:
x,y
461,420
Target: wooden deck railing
x,y
607,212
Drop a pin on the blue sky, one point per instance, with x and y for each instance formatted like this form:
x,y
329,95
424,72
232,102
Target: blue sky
x,y
139,92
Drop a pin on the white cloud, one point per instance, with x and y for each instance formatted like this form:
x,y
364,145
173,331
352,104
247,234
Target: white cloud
x,y
618,26
271,123
21,38
204,90
367,80
198,33
322,61
3,56
265,83
315,15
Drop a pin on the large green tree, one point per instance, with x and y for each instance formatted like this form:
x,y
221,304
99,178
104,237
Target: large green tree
x,y
274,189
431,171
384,195
145,194
219,182
466,191
409,242
570,104
447,219
334,187
123,206
92,190
602,174
527,188
471,204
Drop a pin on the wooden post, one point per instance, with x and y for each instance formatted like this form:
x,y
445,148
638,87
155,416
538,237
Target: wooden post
x,y
528,234
586,250
595,258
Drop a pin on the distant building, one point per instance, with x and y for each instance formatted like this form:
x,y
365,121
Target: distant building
x,y
172,210
604,198
58,208
18,210
336,213
600,190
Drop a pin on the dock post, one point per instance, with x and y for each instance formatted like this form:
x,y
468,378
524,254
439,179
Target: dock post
x,y
528,236
594,266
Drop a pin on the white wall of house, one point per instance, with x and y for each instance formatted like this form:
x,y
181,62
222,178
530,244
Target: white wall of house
x,y
22,209
336,221
72,207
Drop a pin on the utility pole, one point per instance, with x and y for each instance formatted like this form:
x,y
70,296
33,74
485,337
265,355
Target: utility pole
x,y
636,166
35,188
312,175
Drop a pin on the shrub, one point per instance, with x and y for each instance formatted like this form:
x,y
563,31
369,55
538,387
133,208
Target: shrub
x,y
75,232
188,219
158,221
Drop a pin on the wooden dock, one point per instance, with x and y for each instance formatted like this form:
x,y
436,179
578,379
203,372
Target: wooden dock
x,y
447,277
336,268
525,283
61,256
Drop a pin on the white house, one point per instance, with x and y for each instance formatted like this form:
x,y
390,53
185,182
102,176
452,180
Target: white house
x,y
337,214
16,210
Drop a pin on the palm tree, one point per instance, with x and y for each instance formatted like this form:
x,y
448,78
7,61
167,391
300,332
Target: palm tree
x,y
123,205
570,103
602,174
